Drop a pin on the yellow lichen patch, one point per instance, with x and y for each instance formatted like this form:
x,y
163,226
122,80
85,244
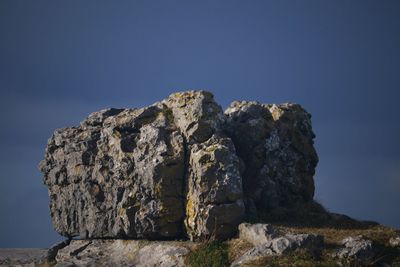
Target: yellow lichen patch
x,y
276,112
190,211
121,212
212,148
160,116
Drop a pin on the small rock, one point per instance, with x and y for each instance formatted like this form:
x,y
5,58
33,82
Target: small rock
x,y
257,234
356,247
161,255
281,245
394,241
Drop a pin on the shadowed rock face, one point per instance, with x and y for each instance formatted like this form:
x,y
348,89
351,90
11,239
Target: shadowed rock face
x,y
176,168
275,143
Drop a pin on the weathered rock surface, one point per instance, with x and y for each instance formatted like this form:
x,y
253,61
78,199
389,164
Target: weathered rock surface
x,y
257,234
177,168
214,205
123,253
275,143
357,248
120,173
276,244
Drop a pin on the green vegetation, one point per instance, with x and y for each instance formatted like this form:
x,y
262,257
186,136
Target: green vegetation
x,y
209,254
300,258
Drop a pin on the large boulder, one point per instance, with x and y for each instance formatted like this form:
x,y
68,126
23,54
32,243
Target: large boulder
x,y
176,168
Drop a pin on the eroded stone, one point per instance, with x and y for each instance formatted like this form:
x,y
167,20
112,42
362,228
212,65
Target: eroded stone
x,y
177,168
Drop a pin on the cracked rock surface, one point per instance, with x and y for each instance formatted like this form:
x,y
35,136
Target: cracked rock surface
x,y
269,241
356,247
123,253
257,234
178,168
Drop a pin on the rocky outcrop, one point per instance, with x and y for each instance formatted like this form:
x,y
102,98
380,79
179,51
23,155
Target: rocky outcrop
x,y
178,168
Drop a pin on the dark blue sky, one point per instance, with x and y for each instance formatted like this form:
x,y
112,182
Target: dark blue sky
x,y
61,60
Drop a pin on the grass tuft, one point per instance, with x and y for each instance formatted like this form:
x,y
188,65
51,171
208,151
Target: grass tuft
x,y
209,254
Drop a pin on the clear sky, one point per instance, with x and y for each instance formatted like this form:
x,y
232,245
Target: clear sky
x,y
61,60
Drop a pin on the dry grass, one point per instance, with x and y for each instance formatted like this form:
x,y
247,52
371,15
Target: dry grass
x,y
380,235
236,248
209,254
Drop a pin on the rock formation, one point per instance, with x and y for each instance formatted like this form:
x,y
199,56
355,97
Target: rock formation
x,y
178,168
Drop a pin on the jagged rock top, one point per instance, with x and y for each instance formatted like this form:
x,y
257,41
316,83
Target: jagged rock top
x,y
178,168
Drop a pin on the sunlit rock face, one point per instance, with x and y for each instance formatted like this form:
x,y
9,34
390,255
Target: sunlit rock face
x,y
178,168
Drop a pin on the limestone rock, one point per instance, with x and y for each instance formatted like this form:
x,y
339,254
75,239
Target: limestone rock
x,y
177,168
257,234
214,205
123,253
275,143
281,245
214,200
146,173
196,114
358,248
